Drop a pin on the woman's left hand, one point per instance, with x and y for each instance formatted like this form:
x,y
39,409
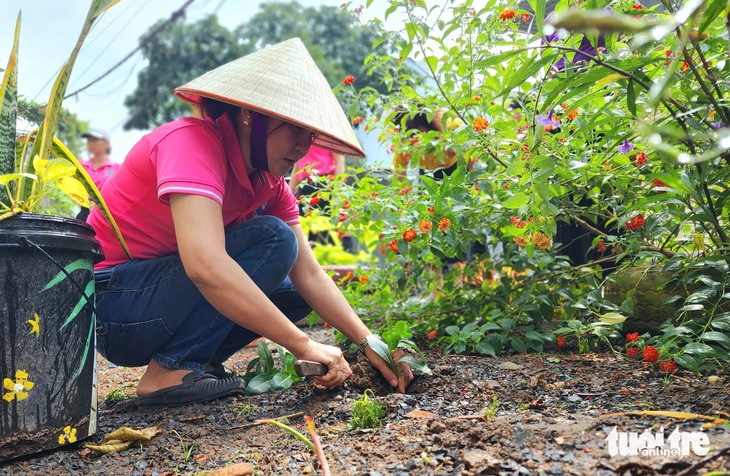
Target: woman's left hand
x,y
405,374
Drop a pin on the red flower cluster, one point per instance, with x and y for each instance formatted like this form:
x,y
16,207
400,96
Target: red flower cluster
x,y
633,337
650,354
572,114
635,223
432,334
601,246
560,343
405,190
637,6
480,124
640,159
668,366
394,246
349,79
507,14
658,183
632,352
409,235
525,17
313,201
357,119
518,222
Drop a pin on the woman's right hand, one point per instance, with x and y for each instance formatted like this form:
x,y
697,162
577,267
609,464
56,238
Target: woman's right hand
x,y
333,358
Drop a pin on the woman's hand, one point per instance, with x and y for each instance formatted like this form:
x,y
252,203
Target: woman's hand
x,y
332,357
405,374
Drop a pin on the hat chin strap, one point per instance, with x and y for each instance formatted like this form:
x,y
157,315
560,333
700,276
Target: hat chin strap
x,y
259,158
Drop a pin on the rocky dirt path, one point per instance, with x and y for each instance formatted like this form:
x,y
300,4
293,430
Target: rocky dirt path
x,y
524,414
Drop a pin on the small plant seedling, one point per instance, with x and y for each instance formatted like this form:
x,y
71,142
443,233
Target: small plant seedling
x,y
187,448
367,412
119,394
491,410
263,376
398,337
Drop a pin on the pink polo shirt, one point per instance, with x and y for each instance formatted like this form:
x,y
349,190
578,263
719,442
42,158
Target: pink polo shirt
x,y
321,162
102,173
191,156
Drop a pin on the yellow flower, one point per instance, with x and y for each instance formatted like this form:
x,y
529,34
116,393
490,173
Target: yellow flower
x,y
35,325
453,124
68,436
17,390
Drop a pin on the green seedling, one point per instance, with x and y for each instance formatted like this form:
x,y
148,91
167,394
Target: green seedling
x,y
243,409
491,410
187,448
398,337
367,412
263,376
119,394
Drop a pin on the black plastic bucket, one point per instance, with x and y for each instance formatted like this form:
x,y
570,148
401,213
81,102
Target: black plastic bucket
x,y
47,333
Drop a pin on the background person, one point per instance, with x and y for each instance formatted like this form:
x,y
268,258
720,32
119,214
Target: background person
x,y
98,164
219,256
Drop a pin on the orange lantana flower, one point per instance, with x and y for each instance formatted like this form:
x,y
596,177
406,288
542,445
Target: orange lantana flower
x,y
425,226
480,124
507,14
409,235
444,224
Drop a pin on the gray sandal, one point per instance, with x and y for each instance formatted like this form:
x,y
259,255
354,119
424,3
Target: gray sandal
x,y
197,387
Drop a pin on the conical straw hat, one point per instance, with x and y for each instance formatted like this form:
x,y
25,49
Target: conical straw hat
x,y
283,81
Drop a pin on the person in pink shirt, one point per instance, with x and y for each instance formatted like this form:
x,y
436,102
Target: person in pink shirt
x,y
318,162
98,165
218,257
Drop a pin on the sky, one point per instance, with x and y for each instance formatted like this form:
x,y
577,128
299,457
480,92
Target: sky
x,y
49,30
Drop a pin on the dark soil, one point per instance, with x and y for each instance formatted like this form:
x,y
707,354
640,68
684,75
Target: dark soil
x,y
551,418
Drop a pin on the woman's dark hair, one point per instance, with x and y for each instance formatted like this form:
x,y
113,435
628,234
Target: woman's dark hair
x,y
214,109
420,119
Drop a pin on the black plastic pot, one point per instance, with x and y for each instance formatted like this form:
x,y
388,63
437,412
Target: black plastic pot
x,y
47,335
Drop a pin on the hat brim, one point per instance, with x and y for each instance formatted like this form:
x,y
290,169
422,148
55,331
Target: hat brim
x,y
280,81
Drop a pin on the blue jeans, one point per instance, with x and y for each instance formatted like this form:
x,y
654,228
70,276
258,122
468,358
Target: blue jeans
x,y
149,308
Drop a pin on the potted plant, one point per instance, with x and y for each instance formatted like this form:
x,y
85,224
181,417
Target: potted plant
x,y
47,331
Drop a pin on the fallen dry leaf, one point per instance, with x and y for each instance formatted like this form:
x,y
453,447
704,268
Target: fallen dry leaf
x,y
124,437
669,414
420,414
238,469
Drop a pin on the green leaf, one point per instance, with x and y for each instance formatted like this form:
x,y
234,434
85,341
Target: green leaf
x,y
714,10
631,98
281,381
259,384
416,364
518,344
8,111
380,348
612,318
698,348
515,201
265,357
716,337
433,63
688,362
485,348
